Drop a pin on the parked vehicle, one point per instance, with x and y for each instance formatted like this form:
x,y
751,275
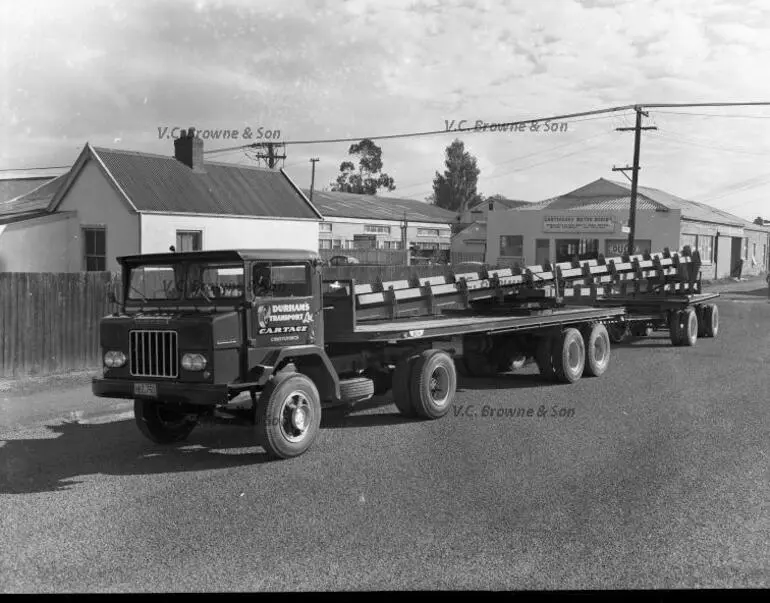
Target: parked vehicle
x,y
196,333
343,260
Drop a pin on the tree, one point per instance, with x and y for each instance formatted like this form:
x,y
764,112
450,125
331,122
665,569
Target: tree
x,y
368,178
455,189
759,220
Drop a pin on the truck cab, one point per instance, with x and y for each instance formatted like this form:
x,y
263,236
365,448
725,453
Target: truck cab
x,y
196,329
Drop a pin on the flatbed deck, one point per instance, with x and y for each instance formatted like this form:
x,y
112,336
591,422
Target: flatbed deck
x,y
443,326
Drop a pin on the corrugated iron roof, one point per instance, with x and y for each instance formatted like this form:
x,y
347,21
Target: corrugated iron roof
x,y
508,203
374,207
691,210
163,184
648,198
11,188
34,201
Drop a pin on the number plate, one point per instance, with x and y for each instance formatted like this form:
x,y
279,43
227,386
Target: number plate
x,y
146,389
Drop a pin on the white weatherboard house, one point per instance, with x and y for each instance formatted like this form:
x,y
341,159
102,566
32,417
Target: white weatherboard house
x,y
114,203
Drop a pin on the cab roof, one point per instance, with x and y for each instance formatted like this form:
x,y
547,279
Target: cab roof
x,y
224,255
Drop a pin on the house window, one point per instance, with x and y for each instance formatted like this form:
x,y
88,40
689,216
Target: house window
x,y
688,239
337,244
189,240
324,243
754,252
746,248
325,227
95,249
427,232
376,229
512,246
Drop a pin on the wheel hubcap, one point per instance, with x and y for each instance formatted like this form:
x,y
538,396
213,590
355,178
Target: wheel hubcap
x,y
439,386
295,417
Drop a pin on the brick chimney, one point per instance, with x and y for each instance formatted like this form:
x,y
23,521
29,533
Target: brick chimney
x,y
188,149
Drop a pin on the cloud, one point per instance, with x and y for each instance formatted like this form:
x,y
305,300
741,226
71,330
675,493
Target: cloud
x,y
105,70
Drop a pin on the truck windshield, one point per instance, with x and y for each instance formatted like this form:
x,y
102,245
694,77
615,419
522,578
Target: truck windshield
x,y
205,281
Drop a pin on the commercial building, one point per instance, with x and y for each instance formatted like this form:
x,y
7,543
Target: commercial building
x,y
115,202
593,220
354,221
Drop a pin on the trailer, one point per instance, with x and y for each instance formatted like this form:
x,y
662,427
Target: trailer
x,y
258,338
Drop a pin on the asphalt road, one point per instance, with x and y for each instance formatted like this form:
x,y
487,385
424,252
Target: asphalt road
x,y
654,476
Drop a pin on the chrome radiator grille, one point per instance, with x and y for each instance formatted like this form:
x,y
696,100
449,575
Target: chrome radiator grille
x,y
153,353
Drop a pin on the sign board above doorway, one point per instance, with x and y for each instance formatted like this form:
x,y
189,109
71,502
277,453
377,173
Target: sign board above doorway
x,y
578,224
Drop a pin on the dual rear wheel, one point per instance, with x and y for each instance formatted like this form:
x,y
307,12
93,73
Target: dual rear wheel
x,y
573,353
424,385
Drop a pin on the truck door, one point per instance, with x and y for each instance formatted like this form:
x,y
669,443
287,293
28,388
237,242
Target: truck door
x,y
284,311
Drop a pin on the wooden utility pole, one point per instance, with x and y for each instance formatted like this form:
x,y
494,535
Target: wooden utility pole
x,y
634,173
314,160
271,157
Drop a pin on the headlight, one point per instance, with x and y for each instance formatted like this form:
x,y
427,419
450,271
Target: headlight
x,y
193,362
114,359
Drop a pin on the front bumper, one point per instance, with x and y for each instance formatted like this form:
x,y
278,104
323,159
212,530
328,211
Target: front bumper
x,y
196,393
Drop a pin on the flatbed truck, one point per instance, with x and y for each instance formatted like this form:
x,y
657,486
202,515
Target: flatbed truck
x,y
196,334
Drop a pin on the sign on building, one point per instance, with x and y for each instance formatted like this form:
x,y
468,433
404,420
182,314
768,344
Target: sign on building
x,y
578,224
615,247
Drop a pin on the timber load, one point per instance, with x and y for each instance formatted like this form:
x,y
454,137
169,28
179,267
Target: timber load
x,y
649,276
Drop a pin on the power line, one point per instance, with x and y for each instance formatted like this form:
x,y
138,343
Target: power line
x,y
728,115
711,147
471,130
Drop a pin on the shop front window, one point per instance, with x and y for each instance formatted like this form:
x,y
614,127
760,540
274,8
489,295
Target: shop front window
x,y
584,249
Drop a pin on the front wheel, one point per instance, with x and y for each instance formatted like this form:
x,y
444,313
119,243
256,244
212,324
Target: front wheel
x,y
162,423
288,415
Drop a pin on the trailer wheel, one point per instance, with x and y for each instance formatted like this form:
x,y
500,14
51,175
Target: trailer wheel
x,y
288,415
675,327
544,357
710,320
402,380
597,345
161,423
689,327
434,383
569,356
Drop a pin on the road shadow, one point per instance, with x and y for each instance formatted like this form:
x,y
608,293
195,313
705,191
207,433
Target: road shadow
x,y
345,418
753,293
53,464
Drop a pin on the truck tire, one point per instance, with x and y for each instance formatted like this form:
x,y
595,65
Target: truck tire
x,y
597,345
357,389
544,358
689,327
161,423
434,383
675,327
569,356
288,416
710,320
402,379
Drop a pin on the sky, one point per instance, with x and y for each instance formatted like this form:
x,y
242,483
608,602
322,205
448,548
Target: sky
x,y
116,73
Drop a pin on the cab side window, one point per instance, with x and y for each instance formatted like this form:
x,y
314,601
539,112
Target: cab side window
x,y
280,280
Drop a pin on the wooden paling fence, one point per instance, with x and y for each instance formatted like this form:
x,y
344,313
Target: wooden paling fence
x,y
49,323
